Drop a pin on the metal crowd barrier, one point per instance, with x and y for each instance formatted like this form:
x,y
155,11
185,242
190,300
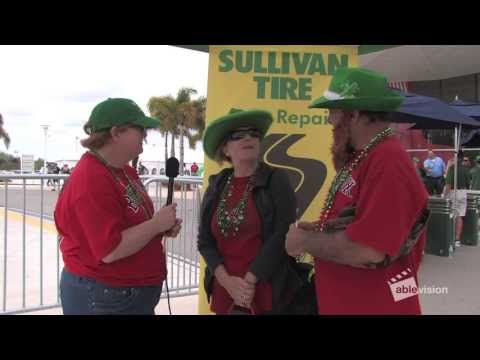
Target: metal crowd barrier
x,y
29,254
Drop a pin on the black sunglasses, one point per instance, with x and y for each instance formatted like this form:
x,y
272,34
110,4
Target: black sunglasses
x,y
240,134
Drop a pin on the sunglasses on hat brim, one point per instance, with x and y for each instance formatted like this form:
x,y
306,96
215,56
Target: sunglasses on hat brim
x,y
240,134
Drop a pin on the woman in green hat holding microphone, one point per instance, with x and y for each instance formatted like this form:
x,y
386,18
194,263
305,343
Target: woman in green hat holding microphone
x,y
110,235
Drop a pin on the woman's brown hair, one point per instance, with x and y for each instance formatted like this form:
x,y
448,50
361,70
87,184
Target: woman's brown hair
x,y
99,139
220,156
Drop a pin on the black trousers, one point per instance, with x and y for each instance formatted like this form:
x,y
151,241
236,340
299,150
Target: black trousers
x,y
434,185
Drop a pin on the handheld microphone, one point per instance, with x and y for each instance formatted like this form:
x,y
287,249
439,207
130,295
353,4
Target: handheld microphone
x,y
171,171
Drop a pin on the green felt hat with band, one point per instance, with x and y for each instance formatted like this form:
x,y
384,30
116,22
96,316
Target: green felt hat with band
x,y
117,112
220,128
359,89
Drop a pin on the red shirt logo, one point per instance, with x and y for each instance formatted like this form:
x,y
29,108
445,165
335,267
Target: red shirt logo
x,y
348,186
131,203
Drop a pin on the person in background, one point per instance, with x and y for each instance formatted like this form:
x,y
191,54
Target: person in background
x,y
56,182
65,171
142,169
474,173
194,169
463,183
435,169
466,162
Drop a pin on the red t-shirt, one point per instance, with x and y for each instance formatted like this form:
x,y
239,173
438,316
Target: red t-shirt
x,y
239,252
389,197
90,215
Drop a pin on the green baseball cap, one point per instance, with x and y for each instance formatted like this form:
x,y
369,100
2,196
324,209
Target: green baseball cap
x,y
117,112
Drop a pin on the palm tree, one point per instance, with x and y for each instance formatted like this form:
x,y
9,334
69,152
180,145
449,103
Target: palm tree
x,y
196,128
160,107
187,113
180,116
3,133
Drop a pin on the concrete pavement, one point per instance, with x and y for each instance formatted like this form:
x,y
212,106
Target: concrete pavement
x,y
458,274
32,263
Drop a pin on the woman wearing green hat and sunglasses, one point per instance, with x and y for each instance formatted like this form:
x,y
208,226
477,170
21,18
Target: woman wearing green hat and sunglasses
x,y
110,237
245,215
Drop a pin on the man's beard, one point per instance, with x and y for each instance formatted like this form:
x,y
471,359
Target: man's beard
x,y
342,149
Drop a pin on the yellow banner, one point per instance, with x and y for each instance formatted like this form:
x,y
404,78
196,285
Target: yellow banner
x,y
282,79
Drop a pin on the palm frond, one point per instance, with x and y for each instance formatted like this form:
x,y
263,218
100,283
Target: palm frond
x,y
3,133
178,111
184,95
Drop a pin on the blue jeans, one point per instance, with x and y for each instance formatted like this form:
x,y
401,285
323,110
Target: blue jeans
x,y
86,296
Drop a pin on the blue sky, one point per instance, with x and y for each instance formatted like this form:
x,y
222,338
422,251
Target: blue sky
x,y
59,86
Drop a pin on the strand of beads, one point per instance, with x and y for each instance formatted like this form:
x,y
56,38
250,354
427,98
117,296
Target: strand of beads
x,y
344,173
233,218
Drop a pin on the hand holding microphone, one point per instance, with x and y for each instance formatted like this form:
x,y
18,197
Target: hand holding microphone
x,y
174,225
173,232
166,217
171,171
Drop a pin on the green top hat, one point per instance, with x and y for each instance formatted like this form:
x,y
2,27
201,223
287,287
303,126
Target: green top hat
x,y
217,131
117,112
359,89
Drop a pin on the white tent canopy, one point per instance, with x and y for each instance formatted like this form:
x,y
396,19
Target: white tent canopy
x,y
424,62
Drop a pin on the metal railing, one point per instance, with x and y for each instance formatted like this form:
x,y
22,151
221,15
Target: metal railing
x,y
29,252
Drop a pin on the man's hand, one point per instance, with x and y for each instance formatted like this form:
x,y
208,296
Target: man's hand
x,y
295,243
307,226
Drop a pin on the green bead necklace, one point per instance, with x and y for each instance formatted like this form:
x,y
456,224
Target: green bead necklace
x,y
231,220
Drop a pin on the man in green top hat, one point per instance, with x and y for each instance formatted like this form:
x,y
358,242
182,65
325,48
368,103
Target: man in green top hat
x,y
364,248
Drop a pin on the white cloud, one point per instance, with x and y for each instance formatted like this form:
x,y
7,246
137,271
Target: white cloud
x,y
59,85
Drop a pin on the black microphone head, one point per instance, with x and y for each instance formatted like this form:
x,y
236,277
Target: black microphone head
x,y
171,167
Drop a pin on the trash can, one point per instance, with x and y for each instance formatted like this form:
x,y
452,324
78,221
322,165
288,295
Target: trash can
x,y
470,221
441,227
